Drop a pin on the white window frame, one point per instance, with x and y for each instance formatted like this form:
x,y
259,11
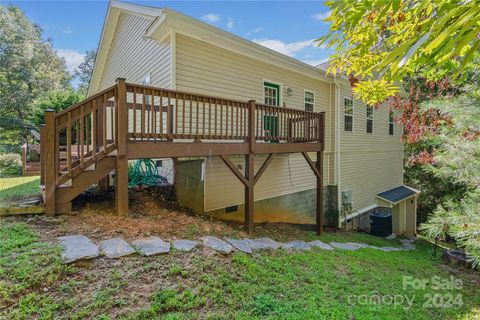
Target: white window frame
x,y
391,122
369,118
280,94
305,99
352,115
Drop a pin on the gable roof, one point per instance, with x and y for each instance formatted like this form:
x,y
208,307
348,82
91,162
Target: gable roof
x,y
397,194
164,20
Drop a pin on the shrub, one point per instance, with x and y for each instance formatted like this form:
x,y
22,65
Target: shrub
x,y
10,165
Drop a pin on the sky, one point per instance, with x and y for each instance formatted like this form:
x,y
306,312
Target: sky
x,y
287,27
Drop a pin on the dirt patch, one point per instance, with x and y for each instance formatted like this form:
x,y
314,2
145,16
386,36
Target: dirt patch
x,y
94,216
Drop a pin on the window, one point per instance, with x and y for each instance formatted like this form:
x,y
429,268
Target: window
x,y
271,94
391,117
309,101
369,119
348,114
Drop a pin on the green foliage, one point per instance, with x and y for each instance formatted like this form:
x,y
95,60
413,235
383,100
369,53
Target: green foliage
x,y
85,70
57,100
381,42
457,158
29,67
10,165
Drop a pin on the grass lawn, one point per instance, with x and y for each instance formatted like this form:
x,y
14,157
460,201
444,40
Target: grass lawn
x,y
272,285
14,188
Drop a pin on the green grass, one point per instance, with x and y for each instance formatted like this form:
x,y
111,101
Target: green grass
x,y
14,188
277,285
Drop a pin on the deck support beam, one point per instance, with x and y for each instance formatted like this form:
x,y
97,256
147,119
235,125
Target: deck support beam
x,y
317,169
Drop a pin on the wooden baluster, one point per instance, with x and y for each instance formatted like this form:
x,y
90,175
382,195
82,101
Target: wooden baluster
x,y
203,120
104,129
215,123
154,116
82,136
142,116
221,118
134,110
69,143
226,118
94,129
237,122
87,132
114,122
176,114
183,113
190,106
169,110
161,112
209,116
197,116
232,109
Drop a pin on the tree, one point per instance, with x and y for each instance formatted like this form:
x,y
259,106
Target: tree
x,y
85,70
29,67
457,158
380,42
56,100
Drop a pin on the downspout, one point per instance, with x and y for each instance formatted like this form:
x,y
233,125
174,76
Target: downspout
x,y
337,148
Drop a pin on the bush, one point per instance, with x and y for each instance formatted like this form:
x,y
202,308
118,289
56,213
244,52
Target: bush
x,y
10,165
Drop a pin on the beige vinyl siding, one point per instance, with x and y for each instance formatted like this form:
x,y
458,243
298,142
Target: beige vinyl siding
x,y
287,173
132,56
370,162
207,69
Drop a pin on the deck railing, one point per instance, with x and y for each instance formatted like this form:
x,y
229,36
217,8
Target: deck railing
x,y
182,115
78,137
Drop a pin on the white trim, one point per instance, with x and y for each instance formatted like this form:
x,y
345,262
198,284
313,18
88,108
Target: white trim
x,y
280,94
137,9
309,91
367,118
353,113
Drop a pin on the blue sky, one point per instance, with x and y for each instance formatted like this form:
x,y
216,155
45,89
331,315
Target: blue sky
x,y
287,27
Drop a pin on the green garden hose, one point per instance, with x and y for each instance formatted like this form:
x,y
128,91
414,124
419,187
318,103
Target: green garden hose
x,y
143,172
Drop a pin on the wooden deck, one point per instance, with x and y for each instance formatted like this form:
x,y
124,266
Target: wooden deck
x,y
83,143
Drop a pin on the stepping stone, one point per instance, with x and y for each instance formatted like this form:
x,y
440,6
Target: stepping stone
x,y
344,246
263,244
184,245
296,245
115,248
320,244
390,249
359,244
217,244
152,246
77,247
240,245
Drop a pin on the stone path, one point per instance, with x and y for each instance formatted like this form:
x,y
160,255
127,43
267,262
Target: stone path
x,y
79,247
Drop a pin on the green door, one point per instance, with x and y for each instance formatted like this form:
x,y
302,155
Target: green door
x,y
272,98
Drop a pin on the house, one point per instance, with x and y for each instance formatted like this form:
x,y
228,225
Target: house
x,y
274,114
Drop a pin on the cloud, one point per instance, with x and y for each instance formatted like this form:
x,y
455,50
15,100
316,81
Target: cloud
x,y
230,23
211,17
72,58
321,16
290,49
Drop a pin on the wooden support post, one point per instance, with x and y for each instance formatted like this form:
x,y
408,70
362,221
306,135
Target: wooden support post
x,y
121,177
50,162
319,168
249,192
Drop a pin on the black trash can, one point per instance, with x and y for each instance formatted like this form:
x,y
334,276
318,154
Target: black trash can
x,y
381,224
